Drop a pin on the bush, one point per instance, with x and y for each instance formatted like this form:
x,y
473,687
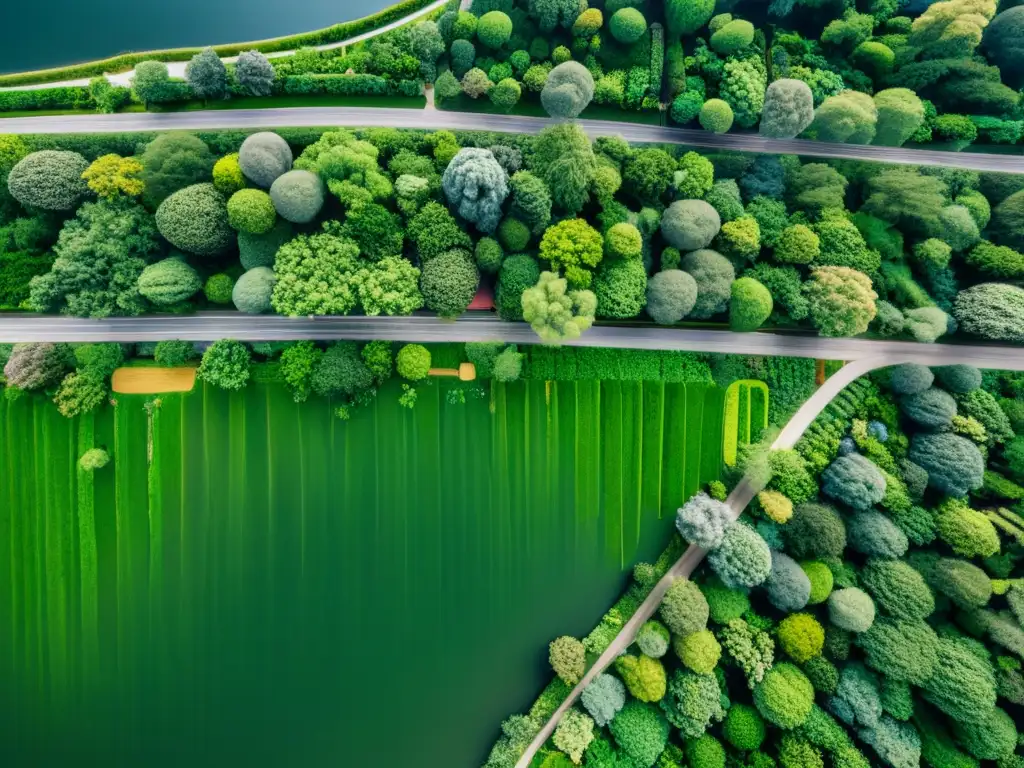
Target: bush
x,y
705,751
494,29
842,301
603,698
218,288
260,250
716,116
252,292
854,481
742,559
50,179
732,37
898,589
174,353
875,535
684,609
627,25
641,732
476,186
692,702
750,305
699,651
797,244
851,609
505,94
264,157
690,225
788,587
488,255
821,580
801,637
173,161
714,275
962,686
816,531
724,603
168,282
967,532
195,219
785,696
227,175
413,363
93,459
621,289
518,272
298,196
1007,225
449,282
652,639
225,364
962,582
953,463
703,521
251,211
992,738
743,728
910,378
568,90
902,650
644,677
900,114
849,117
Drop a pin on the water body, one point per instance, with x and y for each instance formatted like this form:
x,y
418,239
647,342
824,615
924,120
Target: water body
x,y
252,582
37,35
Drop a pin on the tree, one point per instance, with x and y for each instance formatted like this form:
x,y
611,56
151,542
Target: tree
x,y
100,256
195,219
251,211
315,276
173,161
389,287
298,196
506,94
574,734
564,159
555,313
714,275
1008,221
732,37
449,282
842,301
494,29
376,230
743,88
743,559
413,362
785,696
476,83
446,86
518,272
690,225
849,117
225,364
740,239
263,157
49,179
1004,43
694,176
603,698
531,201
951,29
797,244
814,186
552,13
909,198
621,287
685,17
568,658
341,372
587,24
750,305
992,310
953,463
574,248
207,76
174,353
462,54
568,90
168,282
627,25
476,186
435,231
900,114
426,42
788,109
149,80
111,176
703,520
35,365
253,290
716,116
254,73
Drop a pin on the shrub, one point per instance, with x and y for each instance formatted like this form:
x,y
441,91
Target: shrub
x,y
743,728
227,175
494,29
685,17
705,751
684,609
903,650
519,272
173,161
698,651
260,250
842,301
742,559
93,459
476,186
621,289
652,639
910,378
732,37
801,637
298,196
506,94
251,211
50,179
821,580
641,731
671,295
785,696
788,106
225,364
264,157
854,481
588,23
195,219
967,532
900,114
750,305
573,247
714,275
174,353
690,225
716,116
788,587
253,290
627,25
686,107
849,117
568,90
992,311
875,535
603,698
963,685
724,603
962,582
218,288
703,521
816,530
851,609
797,244
449,282
898,589
953,463
413,363
207,75
573,734
992,738
644,677
254,73
168,282
776,506
692,702
1007,225
857,701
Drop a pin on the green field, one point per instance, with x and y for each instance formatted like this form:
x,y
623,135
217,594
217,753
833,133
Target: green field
x,y
255,582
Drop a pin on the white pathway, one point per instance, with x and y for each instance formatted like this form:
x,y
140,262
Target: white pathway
x,y
177,68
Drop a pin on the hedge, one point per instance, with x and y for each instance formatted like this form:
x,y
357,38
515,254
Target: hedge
x,y
127,61
74,97
349,85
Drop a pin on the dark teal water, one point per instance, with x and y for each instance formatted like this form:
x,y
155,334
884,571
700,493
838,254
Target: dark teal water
x,y
35,35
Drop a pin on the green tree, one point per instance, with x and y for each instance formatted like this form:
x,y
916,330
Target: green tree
x,y
573,247
254,73
788,109
716,116
173,161
732,37
449,282
435,231
413,362
849,117
556,313
564,159
50,179
842,301
174,353
494,29
900,114
951,29
568,90
506,94
389,287
149,80
298,362
168,282
750,305
225,364
195,219
207,76
627,25
1008,221
685,17
476,186
315,276
531,201
298,196
376,230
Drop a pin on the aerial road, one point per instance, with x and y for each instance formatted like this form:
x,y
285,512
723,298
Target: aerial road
x,y
243,119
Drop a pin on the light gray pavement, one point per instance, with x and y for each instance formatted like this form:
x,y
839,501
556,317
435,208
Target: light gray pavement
x,y
416,118
177,68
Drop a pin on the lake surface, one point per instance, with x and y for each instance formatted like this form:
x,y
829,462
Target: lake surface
x,y
256,583
51,33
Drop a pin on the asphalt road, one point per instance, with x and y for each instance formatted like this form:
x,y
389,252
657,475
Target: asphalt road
x,y
435,119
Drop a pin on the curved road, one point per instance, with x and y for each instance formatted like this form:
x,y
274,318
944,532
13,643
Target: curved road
x,y
434,119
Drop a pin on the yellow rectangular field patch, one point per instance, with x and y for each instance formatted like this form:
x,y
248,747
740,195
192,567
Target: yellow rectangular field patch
x,y
153,381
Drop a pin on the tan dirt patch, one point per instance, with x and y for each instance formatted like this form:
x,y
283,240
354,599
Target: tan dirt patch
x,y
152,380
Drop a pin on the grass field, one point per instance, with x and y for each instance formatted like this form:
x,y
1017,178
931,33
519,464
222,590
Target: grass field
x,y
256,582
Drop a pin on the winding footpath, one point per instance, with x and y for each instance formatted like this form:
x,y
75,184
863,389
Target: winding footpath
x,y
177,68
357,117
